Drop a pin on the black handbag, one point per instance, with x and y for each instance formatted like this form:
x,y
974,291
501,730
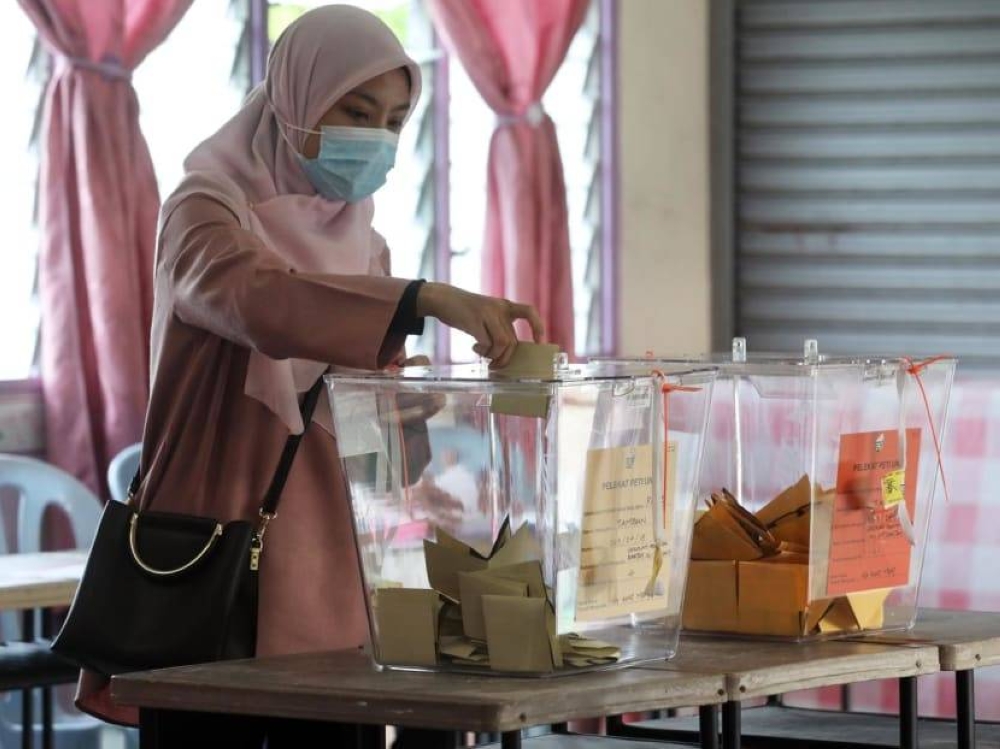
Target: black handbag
x,y
163,589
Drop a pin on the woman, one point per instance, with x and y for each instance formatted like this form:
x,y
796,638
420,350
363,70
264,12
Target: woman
x,y
267,272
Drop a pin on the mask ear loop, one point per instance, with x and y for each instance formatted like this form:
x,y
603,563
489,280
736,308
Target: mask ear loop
x,y
283,124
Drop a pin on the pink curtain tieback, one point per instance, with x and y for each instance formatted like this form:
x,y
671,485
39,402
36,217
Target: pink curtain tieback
x,y
109,67
533,116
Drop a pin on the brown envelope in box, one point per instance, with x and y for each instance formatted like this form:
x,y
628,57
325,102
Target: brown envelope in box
x,y
445,562
519,634
447,557
788,514
756,530
710,599
772,598
717,535
475,585
407,625
529,573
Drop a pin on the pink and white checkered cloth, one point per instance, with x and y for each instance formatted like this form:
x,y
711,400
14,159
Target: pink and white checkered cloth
x,y
963,554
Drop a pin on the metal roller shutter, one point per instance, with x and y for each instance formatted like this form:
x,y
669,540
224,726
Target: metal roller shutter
x,y
868,176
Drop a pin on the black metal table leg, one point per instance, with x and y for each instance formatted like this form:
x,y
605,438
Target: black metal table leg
x,y
908,712
371,737
510,740
47,737
965,697
731,728
48,740
708,726
149,729
27,695
614,725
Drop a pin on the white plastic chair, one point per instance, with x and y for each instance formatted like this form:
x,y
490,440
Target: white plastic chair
x,y
121,470
37,486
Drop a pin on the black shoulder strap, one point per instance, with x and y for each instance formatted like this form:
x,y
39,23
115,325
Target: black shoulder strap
x,y
270,504
273,495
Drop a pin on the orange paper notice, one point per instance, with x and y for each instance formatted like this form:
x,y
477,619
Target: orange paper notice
x,y
868,548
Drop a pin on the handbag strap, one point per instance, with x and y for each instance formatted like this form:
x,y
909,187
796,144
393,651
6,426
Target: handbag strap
x,y
269,507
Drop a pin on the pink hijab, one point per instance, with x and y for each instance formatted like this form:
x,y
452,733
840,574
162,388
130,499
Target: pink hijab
x,y
249,167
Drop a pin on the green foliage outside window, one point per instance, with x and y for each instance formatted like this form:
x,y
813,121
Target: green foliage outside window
x,y
395,13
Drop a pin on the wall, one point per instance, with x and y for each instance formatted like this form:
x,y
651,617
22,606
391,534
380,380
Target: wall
x,y
664,293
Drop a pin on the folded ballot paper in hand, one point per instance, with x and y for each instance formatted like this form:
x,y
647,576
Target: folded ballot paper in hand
x,y
530,361
489,610
749,572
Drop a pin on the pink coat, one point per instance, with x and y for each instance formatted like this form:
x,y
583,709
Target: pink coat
x,y
209,449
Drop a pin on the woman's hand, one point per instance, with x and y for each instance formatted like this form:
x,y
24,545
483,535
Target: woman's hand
x,y
487,319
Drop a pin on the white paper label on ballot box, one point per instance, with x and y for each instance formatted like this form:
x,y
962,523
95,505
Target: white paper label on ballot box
x,y
358,428
623,566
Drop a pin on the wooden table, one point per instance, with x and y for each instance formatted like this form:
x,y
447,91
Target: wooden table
x,y
755,668
966,640
344,687
41,580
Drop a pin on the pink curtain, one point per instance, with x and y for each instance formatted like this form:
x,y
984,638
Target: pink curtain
x,y
98,212
511,50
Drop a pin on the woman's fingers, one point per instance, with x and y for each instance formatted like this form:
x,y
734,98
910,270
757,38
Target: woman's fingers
x,y
416,361
504,341
529,313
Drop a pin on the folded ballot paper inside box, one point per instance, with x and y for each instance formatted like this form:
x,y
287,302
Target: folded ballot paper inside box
x,y
484,611
751,573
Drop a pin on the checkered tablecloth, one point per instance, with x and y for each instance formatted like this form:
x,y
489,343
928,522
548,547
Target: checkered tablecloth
x,y
962,562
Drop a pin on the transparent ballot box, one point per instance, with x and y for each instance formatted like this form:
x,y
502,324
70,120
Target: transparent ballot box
x,y
536,523
815,492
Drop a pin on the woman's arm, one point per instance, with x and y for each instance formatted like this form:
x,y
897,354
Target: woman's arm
x,y
225,280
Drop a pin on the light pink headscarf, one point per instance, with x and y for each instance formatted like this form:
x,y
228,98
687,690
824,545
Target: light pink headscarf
x,y
249,167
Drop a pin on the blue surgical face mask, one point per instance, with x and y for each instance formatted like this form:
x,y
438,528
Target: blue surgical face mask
x,y
352,162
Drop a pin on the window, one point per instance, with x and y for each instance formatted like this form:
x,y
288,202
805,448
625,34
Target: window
x,y
21,79
207,87
439,184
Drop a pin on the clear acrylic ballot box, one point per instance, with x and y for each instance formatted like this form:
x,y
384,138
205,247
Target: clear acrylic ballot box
x,y
530,522
816,492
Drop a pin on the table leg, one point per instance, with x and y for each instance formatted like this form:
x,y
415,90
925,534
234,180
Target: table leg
x,y
47,738
27,695
371,737
965,696
708,726
27,719
614,725
149,729
510,740
908,712
731,728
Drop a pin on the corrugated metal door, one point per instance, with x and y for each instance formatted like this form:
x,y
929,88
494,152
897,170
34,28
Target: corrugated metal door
x,y
868,176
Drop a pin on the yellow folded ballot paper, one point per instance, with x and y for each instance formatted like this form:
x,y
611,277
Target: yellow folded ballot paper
x,y
750,573
414,644
529,361
486,610
474,587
